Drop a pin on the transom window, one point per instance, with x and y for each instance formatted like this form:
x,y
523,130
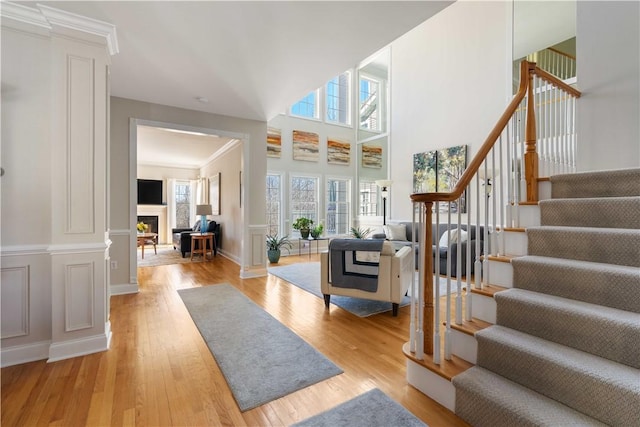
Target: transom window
x,y
337,206
338,99
304,198
307,106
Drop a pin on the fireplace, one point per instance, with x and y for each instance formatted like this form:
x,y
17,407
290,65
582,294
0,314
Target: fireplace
x,y
151,221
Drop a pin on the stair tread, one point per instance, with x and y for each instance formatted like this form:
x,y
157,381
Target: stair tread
x,y
523,406
470,327
488,290
570,359
447,369
603,331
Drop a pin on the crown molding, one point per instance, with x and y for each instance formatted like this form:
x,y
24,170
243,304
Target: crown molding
x,y
48,18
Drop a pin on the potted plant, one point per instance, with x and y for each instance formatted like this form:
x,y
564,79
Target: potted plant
x,y
274,245
359,233
317,231
303,225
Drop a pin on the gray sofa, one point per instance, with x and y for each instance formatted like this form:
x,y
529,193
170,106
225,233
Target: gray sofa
x,y
440,253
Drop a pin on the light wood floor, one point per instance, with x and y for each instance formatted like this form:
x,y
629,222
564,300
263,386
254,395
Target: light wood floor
x,y
159,371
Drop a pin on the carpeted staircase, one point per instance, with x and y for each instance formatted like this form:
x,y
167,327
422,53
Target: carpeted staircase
x,y
565,349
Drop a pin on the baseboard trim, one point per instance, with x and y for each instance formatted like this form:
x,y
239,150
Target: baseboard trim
x,y
249,273
26,353
80,346
123,289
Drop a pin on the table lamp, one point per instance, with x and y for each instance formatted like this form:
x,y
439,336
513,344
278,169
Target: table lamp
x,y
203,210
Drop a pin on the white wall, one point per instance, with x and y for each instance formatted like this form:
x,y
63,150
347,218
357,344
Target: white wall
x,y
608,63
321,169
254,155
449,86
228,165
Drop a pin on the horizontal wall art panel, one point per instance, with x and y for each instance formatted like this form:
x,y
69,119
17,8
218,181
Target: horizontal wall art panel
x,y
274,142
338,152
306,146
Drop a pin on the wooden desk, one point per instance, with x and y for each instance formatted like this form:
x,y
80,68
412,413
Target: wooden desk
x,y
148,238
201,247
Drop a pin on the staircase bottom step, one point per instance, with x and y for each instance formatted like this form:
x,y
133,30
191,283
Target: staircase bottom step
x,y
487,399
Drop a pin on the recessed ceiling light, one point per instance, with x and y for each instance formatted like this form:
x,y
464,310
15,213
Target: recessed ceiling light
x,y
202,99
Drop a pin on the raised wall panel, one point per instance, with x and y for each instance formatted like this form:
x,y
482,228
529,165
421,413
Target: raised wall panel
x,y
79,296
80,145
15,301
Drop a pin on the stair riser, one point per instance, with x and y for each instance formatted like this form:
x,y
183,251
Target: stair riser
x,y
589,332
615,288
431,384
515,243
618,247
592,395
607,213
526,216
483,308
501,273
464,346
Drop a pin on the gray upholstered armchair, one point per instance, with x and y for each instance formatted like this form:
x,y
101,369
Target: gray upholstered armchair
x,y
390,283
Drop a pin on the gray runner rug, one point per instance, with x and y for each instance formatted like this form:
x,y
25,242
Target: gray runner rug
x,y
372,409
261,359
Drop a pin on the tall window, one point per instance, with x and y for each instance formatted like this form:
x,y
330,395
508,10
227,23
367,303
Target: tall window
x,y
183,203
338,99
304,198
337,206
369,96
368,198
274,204
307,106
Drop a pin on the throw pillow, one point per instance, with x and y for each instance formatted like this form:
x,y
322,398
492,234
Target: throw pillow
x,y
395,231
455,235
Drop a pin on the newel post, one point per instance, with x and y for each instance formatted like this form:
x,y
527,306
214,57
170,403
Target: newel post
x,y
531,155
427,275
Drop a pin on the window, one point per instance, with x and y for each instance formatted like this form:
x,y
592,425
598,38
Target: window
x,y
307,106
274,204
183,203
368,198
338,99
304,198
369,96
337,206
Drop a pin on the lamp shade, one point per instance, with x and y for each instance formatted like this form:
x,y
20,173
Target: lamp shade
x,y
203,210
384,183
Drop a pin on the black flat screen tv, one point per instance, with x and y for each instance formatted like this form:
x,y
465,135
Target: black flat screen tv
x,y
149,192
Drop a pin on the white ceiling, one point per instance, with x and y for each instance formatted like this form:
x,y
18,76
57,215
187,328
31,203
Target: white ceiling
x,y
249,59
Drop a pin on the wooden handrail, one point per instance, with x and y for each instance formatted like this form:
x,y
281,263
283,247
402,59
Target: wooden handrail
x,y
526,88
559,52
550,78
525,69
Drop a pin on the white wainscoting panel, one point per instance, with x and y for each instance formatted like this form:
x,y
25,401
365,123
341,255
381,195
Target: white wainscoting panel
x,y
15,301
79,296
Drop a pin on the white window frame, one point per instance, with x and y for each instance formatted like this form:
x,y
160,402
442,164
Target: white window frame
x,y
381,101
292,177
316,107
349,100
280,223
346,203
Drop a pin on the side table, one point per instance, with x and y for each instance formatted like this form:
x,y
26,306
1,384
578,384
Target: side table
x,y
199,245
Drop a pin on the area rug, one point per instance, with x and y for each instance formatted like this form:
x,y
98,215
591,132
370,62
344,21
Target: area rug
x,y
371,409
166,255
261,359
307,276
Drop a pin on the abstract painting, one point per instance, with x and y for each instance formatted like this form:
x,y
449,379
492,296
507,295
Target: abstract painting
x,y
371,156
305,146
274,142
338,152
440,171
